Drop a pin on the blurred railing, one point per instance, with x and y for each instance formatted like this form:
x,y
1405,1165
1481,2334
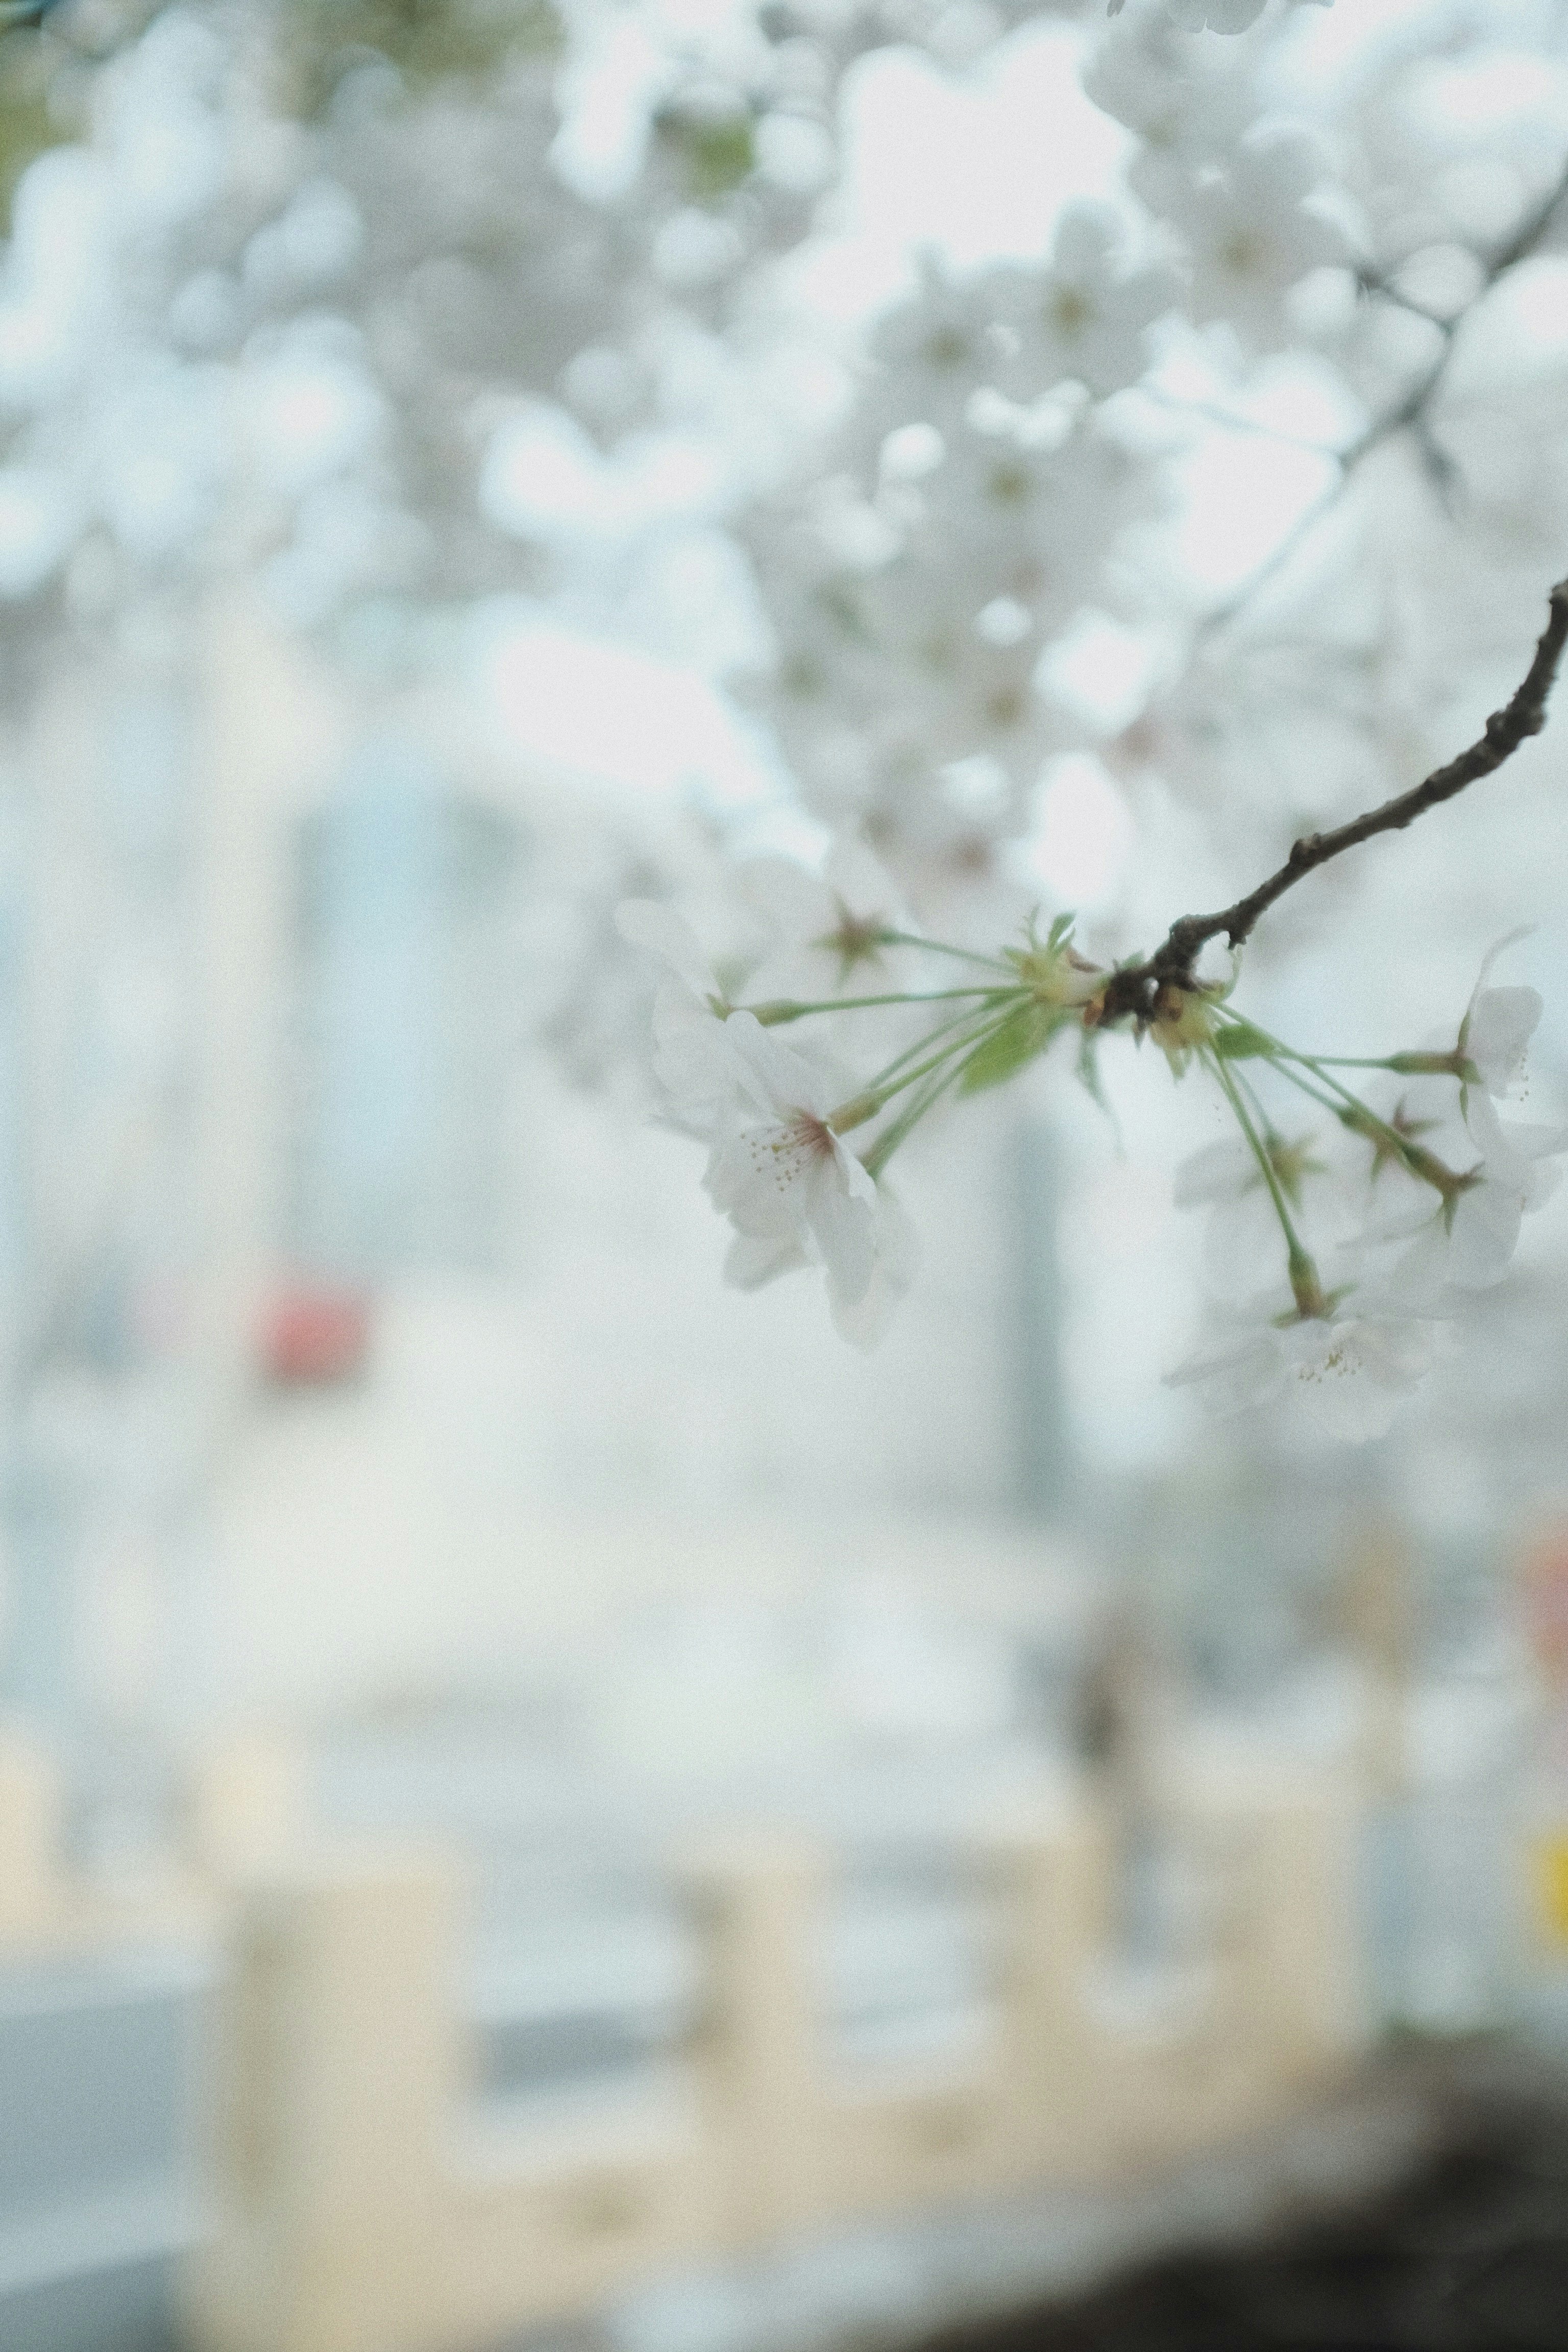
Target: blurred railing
x,y
361,2199
104,1978
243,1807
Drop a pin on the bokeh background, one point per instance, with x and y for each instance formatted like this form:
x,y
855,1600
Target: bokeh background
x,y
391,394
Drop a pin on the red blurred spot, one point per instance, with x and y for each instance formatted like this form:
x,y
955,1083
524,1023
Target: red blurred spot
x,y
313,1338
1545,1590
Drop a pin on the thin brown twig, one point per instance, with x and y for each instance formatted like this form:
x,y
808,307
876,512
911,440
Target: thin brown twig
x,y
1135,990
1410,412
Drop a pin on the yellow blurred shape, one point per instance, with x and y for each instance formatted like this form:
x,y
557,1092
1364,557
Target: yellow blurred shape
x,y
1552,1879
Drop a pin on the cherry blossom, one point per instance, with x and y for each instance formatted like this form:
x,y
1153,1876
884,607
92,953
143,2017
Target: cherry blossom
x,y
1498,1025
691,1061
783,1175
1349,1372
1087,316
1346,1370
754,1261
1468,1242
1249,235
832,935
1211,15
1241,1240
939,345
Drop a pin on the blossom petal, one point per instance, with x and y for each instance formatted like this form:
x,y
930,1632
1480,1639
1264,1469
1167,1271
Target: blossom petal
x,y
647,923
1243,1369
864,1321
858,878
788,897
1220,1172
760,1197
844,1226
1349,1375
1484,1234
753,1260
1501,1022
779,1080
693,1059
1508,940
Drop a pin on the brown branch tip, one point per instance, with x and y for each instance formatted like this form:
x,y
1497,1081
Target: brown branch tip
x,y
1131,993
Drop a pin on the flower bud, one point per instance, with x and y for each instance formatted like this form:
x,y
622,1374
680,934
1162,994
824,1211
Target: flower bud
x,y
1452,1064
854,1112
1180,1023
1059,975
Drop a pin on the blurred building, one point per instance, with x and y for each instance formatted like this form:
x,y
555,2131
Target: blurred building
x,y
405,1028
336,1306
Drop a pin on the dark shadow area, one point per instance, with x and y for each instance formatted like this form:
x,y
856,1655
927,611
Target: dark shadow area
x,y
1467,2253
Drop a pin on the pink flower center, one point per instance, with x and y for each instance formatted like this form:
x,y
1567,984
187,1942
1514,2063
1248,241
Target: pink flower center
x,y
781,1154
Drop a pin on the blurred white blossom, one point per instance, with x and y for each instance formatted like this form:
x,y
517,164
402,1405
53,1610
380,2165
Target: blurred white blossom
x,y
791,1185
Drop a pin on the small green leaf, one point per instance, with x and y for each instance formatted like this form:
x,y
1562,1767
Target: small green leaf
x,y
1089,1079
1020,1038
718,155
1089,1072
1238,1041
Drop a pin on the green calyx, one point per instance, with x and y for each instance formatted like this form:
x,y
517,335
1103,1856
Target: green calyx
x,y
1455,1065
1052,969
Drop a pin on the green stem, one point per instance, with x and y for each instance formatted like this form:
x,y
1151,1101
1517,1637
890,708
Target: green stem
x,y
941,947
1423,1165
953,1056
1344,1061
1299,1257
958,1045
896,1131
1324,1102
780,1010
1356,1103
1320,1063
1265,1123
970,1020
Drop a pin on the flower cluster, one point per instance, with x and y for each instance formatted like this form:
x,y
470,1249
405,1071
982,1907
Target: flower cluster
x,y
1378,1224
1337,1251
974,507
987,489
774,1115
1019,436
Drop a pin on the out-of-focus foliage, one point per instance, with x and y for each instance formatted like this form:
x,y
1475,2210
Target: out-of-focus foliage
x,y
29,124
322,43
368,286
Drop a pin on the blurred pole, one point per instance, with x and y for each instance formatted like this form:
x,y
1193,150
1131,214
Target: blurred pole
x,y
1044,1480
96,1197
29,1839
756,2052
1377,1609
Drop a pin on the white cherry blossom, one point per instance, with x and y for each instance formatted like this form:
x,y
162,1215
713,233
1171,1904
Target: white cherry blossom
x,y
1249,235
754,1261
1243,1242
1498,1025
1087,316
789,1185
1141,74
691,1061
939,345
1466,1243
829,930
1211,15
1347,1371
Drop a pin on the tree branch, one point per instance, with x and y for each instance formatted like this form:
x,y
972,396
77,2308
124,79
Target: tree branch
x,y
1134,991
1411,412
